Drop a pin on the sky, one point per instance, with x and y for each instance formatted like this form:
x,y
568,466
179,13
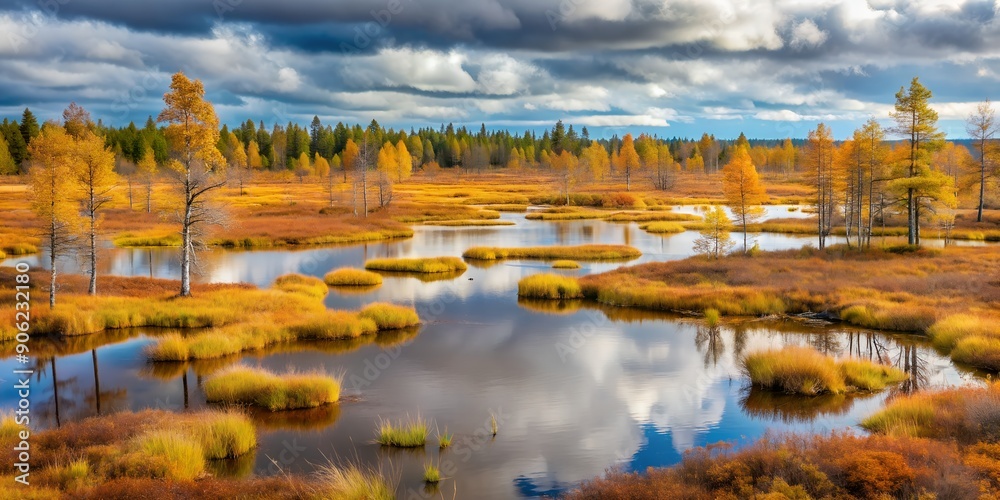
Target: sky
x,y
770,69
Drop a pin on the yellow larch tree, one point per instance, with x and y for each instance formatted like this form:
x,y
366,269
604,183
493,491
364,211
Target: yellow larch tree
x,y
743,190
628,160
95,176
404,162
192,132
54,194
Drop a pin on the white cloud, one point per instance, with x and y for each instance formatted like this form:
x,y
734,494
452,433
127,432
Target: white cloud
x,y
806,35
422,69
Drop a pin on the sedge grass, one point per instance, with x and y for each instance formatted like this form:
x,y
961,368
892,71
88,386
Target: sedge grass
x,y
663,227
461,223
244,385
444,439
347,276
549,286
389,316
565,264
429,265
306,285
168,455
352,482
868,376
794,370
804,371
581,252
403,434
225,434
431,474
979,351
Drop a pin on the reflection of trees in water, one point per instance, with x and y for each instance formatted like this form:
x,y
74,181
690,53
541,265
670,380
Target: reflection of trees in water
x,y
708,339
790,408
71,399
910,361
896,351
825,343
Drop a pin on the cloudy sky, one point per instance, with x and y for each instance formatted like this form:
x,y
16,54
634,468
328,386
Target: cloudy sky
x,y
676,68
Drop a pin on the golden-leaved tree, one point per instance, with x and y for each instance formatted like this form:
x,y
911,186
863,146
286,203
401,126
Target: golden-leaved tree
x,y
94,174
819,161
387,166
714,240
54,194
567,168
404,162
595,160
147,173
628,160
192,132
743,190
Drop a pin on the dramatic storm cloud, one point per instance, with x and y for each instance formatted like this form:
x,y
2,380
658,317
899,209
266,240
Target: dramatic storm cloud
x,y
771,69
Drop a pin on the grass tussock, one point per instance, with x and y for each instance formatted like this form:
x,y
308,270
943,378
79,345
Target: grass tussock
x,y
966,415
868,376
389,316
565,264
428,265
155,238
403,434
549,286
168,455
431,474
347,276
463,222
581,252
799,370
663,227
794,370
306,285
257,387
352,482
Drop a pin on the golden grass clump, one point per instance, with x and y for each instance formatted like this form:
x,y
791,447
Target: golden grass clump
x,y
473,222
333,325
581,252
868,376
306,285
147,239
225,434
979,351
166,454
418,265
964,414
801,370
389,316
565,264
431,474
947,332
795,370
549,286
663,227
258,387
352,482
408,434
347,276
